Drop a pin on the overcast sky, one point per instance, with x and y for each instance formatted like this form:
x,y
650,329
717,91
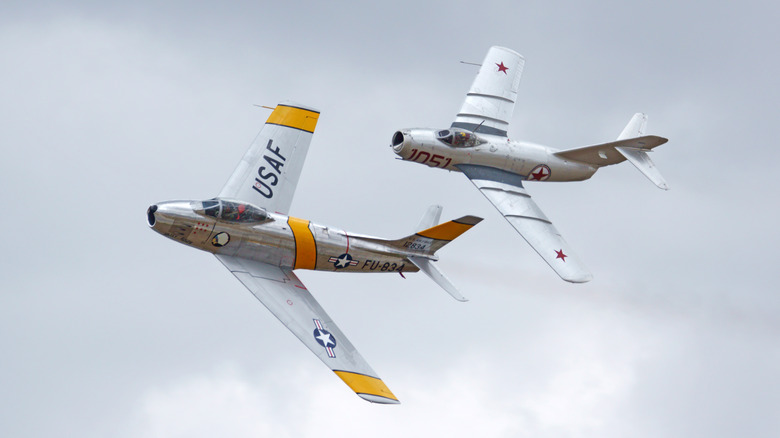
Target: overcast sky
x,y
109,329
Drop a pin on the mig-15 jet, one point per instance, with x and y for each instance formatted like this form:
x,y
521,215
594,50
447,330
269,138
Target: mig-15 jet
x,y
477,145
247,228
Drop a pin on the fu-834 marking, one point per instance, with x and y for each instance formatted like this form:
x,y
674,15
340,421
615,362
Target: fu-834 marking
x,y
261,186
377,265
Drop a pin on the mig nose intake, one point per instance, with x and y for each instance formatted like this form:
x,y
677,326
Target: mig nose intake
x,y
150,215
398,141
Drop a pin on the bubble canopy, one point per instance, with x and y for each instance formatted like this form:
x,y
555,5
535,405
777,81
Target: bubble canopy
x,y
232,211
458,138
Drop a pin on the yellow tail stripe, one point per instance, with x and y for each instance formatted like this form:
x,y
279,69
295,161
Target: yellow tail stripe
x,y
446,231
293,117
305,247
362,384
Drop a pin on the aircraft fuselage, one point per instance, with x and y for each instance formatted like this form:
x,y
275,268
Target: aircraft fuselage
x,y
242,230
449,148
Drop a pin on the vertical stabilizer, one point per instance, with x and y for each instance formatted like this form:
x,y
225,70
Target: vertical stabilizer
x,y
635,128
430,218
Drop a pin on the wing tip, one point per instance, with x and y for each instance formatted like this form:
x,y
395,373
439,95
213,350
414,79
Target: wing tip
x,y
379,399
580,278
367,387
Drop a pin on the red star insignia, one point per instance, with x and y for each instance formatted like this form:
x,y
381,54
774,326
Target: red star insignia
x,y
561,255
502,67
538,175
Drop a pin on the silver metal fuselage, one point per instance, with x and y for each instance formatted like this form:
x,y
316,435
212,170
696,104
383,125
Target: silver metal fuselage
x,y
276,240
533,162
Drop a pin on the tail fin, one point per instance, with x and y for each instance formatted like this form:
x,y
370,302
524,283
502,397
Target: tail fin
x,y
430,218
635,128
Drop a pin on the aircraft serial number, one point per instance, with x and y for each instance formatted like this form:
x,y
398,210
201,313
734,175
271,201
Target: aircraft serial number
x,y
376,265
434,160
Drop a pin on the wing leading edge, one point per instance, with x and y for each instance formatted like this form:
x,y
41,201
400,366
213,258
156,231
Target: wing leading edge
x,y
287,298
505,191
268,173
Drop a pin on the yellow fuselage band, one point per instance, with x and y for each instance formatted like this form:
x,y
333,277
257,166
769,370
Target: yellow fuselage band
x,y
305,247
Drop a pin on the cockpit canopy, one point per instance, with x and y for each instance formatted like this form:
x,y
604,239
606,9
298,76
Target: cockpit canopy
x,y
233,211
458,138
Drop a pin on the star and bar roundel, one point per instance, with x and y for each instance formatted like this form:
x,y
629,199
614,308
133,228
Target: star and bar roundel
x,y
324,338
343,261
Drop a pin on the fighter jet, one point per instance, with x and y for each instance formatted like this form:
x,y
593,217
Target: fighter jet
x,y
477,145
247,228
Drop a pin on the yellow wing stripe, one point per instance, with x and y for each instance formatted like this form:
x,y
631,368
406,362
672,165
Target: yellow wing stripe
x,y
446,231
293,117
362,384
305,247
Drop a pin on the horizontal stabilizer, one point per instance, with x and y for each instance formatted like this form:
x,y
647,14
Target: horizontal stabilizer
x,y
450,230
642,161
427,266
607,154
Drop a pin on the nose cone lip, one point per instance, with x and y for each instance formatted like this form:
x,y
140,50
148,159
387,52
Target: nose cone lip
x,y
150,215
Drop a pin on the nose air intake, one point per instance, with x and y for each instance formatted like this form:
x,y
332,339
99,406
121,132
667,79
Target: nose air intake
x,y
150,215
398,141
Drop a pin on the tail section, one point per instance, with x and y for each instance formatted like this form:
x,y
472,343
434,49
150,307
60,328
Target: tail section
x,y
638,155
426,242
421,246
632,144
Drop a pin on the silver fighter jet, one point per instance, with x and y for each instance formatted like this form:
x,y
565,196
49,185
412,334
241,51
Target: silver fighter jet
x,y
477,145
247,229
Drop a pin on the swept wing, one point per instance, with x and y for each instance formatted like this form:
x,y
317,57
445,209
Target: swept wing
x,y
282,293
490,101
269,172
506,192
